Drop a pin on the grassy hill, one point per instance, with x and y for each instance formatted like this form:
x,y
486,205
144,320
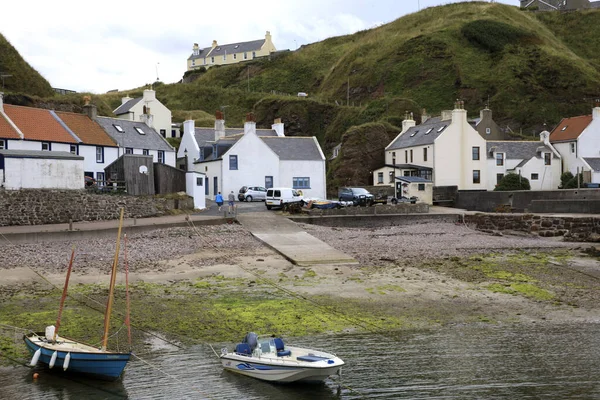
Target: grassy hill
x,y
24,78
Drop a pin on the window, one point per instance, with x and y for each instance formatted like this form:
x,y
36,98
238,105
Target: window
x,y
488,131
245,56
253,54
128,150
173,133
499,159
100,180
414,133
564,128
547,158
193,62
3,144
118,128
421,187
411,156
441,128
233,162
268,182
301,183
161,156
141,132
234,56
46,146
392,177
406,173
428,131
380,177
406,156
199,181
225,57
475,153
573,147
99,154
535,177
393,161
499,178
425,154
163,133
212,60
146,152
476,176
74,149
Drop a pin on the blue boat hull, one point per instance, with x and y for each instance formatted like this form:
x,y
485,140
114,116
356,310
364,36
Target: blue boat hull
x,y
107,366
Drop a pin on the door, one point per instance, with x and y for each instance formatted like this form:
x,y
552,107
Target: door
x,y
206,185
215,185
268,182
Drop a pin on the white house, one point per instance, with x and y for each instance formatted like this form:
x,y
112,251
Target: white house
x,y
147,109
538,161
446,150
37,169
577,139
232,158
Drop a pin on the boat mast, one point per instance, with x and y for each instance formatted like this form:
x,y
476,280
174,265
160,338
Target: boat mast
x,y
64,295
113,277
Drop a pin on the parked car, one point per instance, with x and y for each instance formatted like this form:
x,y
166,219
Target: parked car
x,y
251,193
277,197
358,196
380,198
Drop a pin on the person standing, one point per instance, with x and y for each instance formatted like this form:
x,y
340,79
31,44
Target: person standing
x,y
231,202
219,200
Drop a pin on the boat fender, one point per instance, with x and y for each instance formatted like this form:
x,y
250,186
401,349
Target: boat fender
x,y
36,357
66,362
53,359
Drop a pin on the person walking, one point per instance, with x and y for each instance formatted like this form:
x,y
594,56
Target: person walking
x,y
231,202
219,200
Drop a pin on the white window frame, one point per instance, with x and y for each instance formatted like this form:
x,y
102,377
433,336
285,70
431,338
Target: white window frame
x,y
99,154
161,156
47,145
3,144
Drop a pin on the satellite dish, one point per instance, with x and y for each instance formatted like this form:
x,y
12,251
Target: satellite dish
x,y
143,169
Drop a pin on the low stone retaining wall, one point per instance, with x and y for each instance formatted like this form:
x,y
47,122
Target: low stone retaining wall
x,y
401,208
39,207
374,221
572,228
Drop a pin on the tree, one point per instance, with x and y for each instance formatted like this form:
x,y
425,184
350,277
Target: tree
x,y
568,181
512,182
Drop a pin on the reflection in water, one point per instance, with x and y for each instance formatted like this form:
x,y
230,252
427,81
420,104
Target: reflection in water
x,y
457,362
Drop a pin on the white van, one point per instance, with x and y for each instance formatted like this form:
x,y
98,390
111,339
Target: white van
x,y
277,197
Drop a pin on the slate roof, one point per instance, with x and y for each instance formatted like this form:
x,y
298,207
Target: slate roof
x,y
152,140
294,148
63,155
593,162
409,166
125,107
413,179
86,129
569,129
38,124
418,136
6,129
518,150
205,135
220,50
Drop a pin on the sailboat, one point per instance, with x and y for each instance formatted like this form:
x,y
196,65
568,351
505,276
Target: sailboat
x,y
76,357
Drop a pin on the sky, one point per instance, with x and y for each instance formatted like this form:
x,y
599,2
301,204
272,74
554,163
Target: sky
x,y
124,44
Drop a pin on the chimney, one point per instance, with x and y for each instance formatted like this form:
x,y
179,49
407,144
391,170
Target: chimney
x,y
408,122
595,111
1,102
545,137
214,44
446,115
149,95
148,119
196,49
485,114
219,125
278,127
424,116
91,111
125,99
250,125
459,114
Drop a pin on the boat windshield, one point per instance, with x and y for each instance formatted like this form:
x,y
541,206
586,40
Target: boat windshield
x,y
266,346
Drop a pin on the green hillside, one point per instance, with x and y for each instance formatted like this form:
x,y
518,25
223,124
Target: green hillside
x,y
24,78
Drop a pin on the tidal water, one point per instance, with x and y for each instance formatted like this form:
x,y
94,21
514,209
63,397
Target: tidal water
x,y
456,362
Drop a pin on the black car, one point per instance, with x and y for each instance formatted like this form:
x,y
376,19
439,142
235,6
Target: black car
x,y
359,196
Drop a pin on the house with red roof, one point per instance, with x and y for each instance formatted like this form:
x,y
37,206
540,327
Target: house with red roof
x,y
577,139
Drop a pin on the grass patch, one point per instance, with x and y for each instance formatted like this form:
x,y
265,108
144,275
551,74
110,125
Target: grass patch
x,y
525,289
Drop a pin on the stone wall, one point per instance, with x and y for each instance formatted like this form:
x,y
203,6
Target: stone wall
x,y
400,208
38,207
572,228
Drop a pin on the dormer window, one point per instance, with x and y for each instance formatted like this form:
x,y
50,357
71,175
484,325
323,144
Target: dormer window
x,y
118,128
139,130
428,131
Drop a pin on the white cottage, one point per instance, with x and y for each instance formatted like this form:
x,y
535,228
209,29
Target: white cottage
x,y
147,109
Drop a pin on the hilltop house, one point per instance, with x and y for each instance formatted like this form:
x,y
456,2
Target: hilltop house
x,y
559,5
229,53
232,158
147,109
35,129
538,161
577,139
446,150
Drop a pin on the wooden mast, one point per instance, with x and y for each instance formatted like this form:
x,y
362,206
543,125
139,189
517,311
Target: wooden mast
x,y
64,295
113,278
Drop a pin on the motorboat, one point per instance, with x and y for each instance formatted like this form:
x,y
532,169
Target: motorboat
x,y
271,360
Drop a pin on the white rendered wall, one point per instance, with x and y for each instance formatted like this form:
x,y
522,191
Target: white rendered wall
x,y
548,175
39,173
89,155
211,169
194,190
161,115
570,160
315,170
189,143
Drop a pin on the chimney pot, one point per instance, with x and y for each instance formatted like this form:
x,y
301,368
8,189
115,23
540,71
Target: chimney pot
x,y
250,117
277,121
219,115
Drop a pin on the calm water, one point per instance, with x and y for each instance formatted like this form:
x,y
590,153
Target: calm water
x,y
482,362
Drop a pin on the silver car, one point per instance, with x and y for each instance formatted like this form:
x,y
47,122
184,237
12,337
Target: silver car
x,y
252,193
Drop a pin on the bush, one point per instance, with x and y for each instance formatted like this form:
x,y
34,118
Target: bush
x,y
512,182
569,181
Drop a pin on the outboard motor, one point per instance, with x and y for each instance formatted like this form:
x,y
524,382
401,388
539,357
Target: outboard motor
x,y
252,340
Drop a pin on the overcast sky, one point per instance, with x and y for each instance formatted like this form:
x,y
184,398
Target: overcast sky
x,y
99,46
